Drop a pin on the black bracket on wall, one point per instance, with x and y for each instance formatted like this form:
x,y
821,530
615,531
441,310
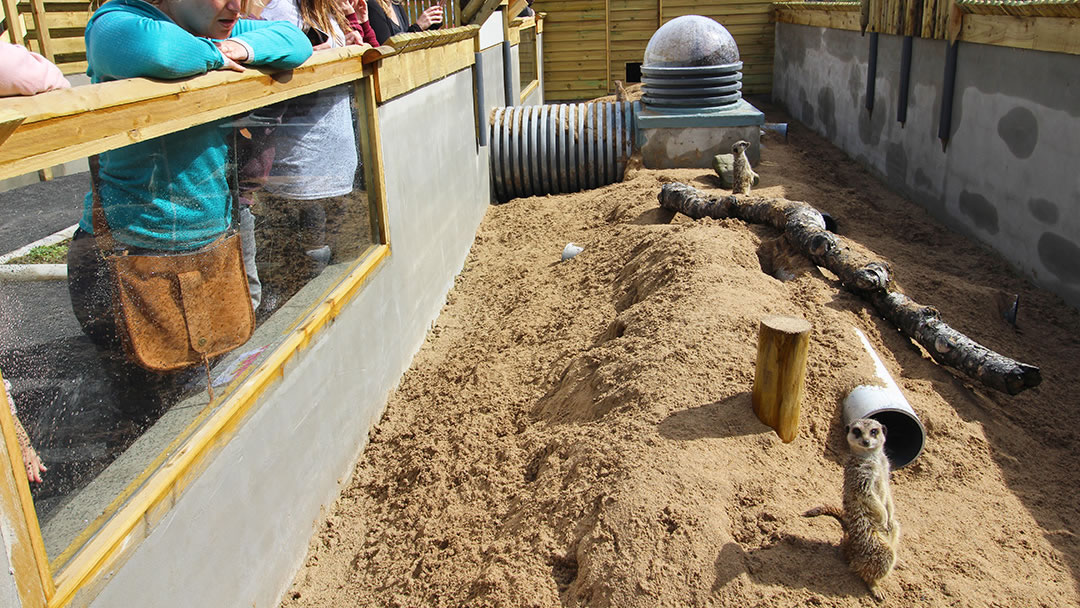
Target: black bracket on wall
x,y
905,81
871,72
478,99
947,88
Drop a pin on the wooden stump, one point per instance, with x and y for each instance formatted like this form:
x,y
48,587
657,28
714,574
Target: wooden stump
x,y
781,368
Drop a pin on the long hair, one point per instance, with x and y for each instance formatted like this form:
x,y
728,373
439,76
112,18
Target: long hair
x,y
387,6
322,14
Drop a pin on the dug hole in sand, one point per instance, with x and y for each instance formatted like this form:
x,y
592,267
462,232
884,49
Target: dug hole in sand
x,y
580,433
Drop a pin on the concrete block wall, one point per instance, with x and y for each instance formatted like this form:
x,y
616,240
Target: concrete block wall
x,y
1009,174
240,531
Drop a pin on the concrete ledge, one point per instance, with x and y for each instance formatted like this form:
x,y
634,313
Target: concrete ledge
x,y
738,114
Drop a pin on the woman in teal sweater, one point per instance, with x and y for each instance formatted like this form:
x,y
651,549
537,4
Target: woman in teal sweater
x,y
170,193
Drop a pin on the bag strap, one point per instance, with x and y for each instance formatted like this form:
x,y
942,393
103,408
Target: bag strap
x,y
104,237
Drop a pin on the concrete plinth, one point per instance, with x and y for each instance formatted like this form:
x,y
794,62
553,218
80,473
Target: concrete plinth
x,y
691,138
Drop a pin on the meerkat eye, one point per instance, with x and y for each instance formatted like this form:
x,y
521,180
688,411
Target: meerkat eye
x,y
857,432
873,432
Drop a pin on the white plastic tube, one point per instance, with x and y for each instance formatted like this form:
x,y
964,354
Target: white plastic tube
x,y
905,434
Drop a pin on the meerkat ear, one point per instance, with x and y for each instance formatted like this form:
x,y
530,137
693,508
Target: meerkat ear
x,y
884,431
847,429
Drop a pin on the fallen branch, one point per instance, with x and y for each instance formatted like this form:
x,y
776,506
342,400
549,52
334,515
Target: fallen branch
x,y
804,228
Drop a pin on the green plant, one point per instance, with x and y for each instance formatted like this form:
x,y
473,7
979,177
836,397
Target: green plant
x,y
44,254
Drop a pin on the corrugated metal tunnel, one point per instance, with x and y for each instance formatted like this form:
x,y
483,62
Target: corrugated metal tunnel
x,y
552,149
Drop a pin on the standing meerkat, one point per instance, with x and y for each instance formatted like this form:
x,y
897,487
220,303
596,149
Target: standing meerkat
x,y
871,531
742,175
620,91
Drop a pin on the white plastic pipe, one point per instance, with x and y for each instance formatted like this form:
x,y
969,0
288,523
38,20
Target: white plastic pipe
x,y
905,434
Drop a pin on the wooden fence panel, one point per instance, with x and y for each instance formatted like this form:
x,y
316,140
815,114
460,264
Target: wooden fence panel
x,y
65,23
620,29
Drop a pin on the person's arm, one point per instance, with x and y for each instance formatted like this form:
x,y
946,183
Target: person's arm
x,y
275,44
23,72
369,33
121,44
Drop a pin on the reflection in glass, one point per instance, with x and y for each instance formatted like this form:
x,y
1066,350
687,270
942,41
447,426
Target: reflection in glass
x,y
102,424
527,58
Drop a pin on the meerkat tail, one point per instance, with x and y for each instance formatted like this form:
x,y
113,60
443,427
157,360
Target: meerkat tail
x,y
830,511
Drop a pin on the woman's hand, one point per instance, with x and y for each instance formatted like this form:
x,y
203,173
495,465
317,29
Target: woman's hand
x,y
360,6
432,16
354,37
234,54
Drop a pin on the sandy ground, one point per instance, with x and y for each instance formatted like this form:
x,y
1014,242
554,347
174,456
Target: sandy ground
x,y
581,433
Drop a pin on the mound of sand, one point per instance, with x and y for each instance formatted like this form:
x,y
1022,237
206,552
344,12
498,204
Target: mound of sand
x,y
581,434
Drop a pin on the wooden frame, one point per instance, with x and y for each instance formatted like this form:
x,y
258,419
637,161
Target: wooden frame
x,y
996,23
517,26
445,52
26,552
107,116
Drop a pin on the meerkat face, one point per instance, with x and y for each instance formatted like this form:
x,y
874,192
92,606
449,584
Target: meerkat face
x,y
865,435
739,146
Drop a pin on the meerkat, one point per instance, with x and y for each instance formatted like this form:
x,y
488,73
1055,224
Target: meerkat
x,y
620,91
742,174
871,530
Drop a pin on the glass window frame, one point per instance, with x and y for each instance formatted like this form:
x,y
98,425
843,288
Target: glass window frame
x,y
150,496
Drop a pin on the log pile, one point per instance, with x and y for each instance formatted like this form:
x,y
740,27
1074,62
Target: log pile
x,y
804,227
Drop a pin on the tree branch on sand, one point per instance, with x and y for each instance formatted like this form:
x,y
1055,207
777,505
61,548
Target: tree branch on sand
x,y
804,227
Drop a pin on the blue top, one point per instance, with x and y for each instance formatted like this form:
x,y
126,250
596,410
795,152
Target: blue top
x,y
171,192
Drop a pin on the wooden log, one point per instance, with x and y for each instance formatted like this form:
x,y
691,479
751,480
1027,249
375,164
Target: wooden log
x,y
783,343
804,228
801,224
952,348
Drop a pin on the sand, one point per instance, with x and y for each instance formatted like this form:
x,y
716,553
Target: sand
x,y
581,433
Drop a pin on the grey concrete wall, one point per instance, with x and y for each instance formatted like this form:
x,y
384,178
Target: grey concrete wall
x,y
1009,174
9,593
240,531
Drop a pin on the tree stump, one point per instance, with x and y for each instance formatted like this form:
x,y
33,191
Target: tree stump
x,y
781,368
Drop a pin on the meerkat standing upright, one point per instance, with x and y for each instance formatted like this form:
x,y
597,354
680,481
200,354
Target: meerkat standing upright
x,y
871,530
742,175
620,91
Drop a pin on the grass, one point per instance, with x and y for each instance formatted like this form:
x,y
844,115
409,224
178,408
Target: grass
x,y
44,254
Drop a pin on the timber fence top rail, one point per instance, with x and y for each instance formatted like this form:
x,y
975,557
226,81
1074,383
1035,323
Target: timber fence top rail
x,y
105,95
94,97
50,128
1014,8
1021,8
414,41
818,6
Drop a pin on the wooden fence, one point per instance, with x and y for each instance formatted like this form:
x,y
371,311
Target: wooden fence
x,y
1048,25
588,43
54,29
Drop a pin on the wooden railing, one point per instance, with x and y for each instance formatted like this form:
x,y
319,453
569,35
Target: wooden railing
x,y
1046,25
53,127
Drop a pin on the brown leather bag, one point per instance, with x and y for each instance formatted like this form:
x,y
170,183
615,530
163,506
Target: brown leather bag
x,y
176,310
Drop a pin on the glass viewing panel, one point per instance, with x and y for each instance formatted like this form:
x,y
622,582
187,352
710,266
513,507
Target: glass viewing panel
x,y
100,423
527,58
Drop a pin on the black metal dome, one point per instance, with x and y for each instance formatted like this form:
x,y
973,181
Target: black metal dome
x,y
691,62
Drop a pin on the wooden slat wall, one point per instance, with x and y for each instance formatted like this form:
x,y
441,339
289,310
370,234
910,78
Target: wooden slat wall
x,y
66,22
587,43
750,23
575,48
1043,25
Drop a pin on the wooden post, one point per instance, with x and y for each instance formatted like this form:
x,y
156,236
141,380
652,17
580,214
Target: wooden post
x,y
781,367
